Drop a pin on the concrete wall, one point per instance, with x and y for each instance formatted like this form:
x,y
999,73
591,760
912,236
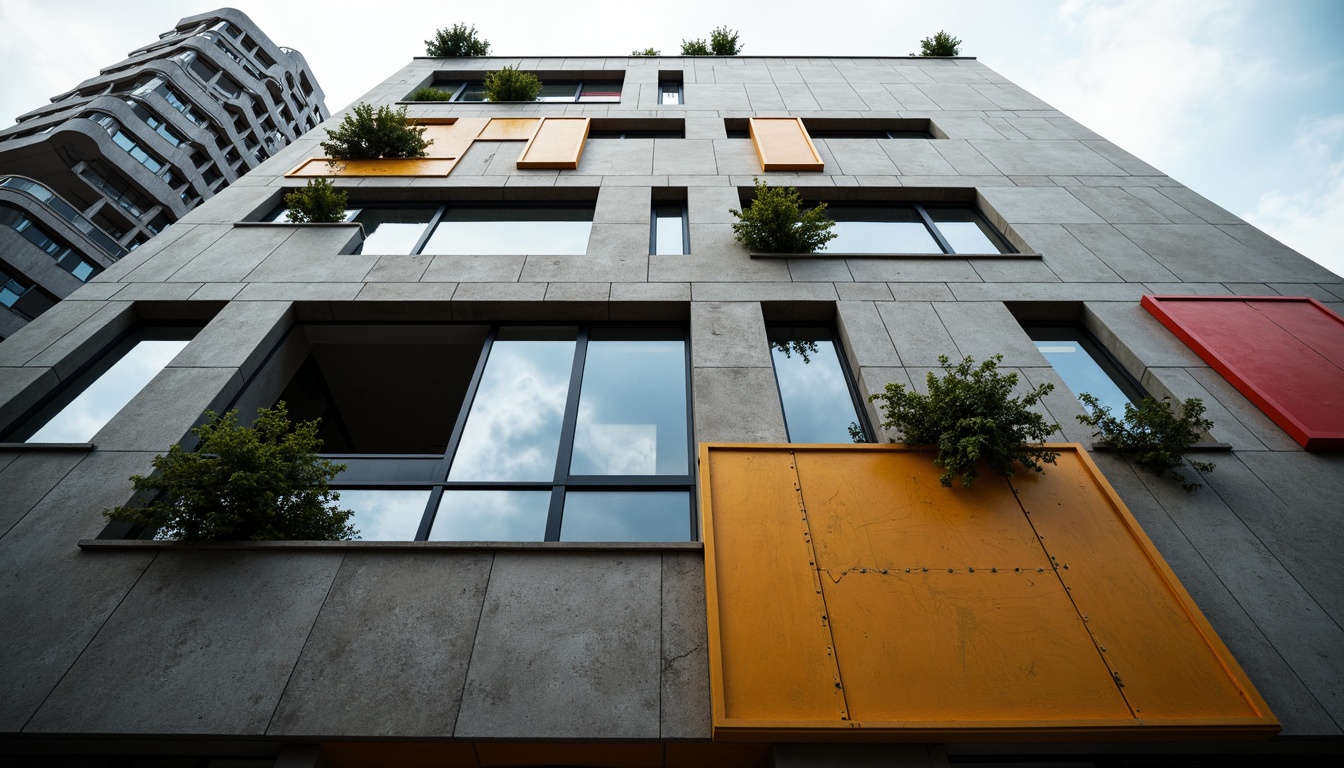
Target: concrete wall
x,y
552,641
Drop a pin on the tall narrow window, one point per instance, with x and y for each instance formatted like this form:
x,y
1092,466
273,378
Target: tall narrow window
x,y
1085,366
669,232
820,404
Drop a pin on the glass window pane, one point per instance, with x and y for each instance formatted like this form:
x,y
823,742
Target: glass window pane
x,y
385,515
473,92
512,231
599,91
558,91
818,406
668,231
393,230
669,96
513,427
1082,373
966,232
626,516
90,411
879,230
491,516
632,410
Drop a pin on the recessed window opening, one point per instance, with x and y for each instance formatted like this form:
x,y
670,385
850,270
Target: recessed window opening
x,y
821,404
504,433
670,91
639,128
583,91
669,232
912,229
80,410
1085,365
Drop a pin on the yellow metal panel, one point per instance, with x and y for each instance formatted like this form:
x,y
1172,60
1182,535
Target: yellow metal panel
x,y
558,143
782,144
452,139
510,129
943,615
1170,664
394,166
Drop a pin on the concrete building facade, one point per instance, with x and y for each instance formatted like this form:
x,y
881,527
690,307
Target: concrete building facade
x,y
109,164
473,314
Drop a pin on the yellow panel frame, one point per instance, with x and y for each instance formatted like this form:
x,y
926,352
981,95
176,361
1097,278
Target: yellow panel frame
x,y
852,598
557,144
783,144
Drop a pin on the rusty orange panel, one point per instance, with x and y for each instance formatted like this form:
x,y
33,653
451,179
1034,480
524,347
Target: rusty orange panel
x,y
944,616
452,139
510,129
558,143
782,144
391,166
1171,665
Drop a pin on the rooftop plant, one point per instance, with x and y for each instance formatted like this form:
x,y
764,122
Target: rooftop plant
x,y
430,94
457,40
971,416
1153,434
696,47
723,42
318,203
368,135
775,222
646,52
264,482
941,44
512,84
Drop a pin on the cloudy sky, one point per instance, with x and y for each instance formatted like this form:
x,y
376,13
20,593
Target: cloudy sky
x,y
1241,100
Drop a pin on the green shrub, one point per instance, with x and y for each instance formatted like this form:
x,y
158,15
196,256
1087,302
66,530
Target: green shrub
x,y
646,52
1152,434
317,203
941,44
259,483
697,47
971,416
723,42
430,94
457,40
775,223
367,135
512,84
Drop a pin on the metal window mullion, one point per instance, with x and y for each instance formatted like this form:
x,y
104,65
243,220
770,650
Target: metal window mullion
x,y
653,229
685,233
457,94
429,230
566,450
578,91
933,229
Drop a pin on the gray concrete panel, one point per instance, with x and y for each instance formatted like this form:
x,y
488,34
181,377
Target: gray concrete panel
x,y
316,255
167,408
728,335
1203,252
473,269
27,477
917,158
864,335
1065,255
737,405
908,270
917,332
819,270
47,330
1244,411
683,156
1038,205
866,292
1122,159
240,336
165,263
623,205
300,292
1045,158
984,329
1178,384
1200,206
859,157
399,269
1117,206
964,158
388,654
1119,253
684,709
762,291
1136,338
568,647
231,257
619,157
214,637
22,389
956,97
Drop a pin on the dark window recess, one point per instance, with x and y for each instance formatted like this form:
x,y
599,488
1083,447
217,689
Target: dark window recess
x,y
1085,365
585,91
821,404
849,128
670,90
65,257
645,128
504,433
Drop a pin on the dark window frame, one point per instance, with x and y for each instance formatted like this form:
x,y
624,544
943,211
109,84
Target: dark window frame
x,y
685,228
1118,374
851,381
1006,246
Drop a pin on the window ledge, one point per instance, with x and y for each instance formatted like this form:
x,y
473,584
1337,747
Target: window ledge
x,y
1196,448
71,447
409,546
829,255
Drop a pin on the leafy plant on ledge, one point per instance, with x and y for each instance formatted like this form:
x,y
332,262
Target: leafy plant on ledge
x,y
368,135
512,84
259,483
776,223
941,44
696,47
318,203
430,94
723,42
457,40
646,52
1152,434
971,416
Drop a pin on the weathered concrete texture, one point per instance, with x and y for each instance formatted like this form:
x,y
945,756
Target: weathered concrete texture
x,y
739,405
204,643
568,647
167,408
684,708
728,335
26,477
388,654
240,336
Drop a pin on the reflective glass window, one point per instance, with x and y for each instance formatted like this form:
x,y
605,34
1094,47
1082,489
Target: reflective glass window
x,y
511,230
627,516
814,387
879,230
393,230
385,515
465,515
669,230
966,231
1085,366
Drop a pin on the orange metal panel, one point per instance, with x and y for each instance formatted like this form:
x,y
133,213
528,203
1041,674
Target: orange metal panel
x,y
558,143
452,139
510,129
782,144
394,166
944,616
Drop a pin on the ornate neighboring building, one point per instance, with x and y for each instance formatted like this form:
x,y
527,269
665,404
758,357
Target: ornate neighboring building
x,y
104,167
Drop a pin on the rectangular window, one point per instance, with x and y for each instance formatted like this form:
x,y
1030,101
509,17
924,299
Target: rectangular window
x,y
569,91
670,232
1086,366
670,91
78,411
505,433
815,389
906,229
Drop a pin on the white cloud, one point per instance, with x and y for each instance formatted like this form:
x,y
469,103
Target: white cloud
x,y
1310,218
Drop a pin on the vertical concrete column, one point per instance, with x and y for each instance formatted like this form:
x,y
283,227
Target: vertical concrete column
x,y
735,395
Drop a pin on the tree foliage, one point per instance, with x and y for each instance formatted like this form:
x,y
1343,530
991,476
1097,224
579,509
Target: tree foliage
x,y
1152,434
457,40
430,94
776,223
318,203
941,44
696,47
368,135
646,52
258,483
723,42
512,84
970,414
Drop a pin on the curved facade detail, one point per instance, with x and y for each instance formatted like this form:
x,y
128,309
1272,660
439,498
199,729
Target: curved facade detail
x,y
132,150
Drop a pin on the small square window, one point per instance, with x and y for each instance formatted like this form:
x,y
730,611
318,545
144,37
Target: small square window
x,y
815,389
670,92
670,230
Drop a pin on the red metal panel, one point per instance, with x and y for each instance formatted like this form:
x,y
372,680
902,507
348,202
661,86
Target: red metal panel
x,y
1284,353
